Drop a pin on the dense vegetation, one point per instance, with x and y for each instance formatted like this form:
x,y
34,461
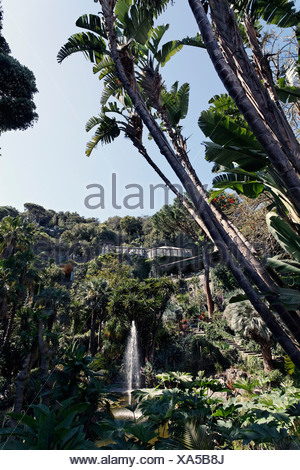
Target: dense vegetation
x,y
66,311
17,87
218,333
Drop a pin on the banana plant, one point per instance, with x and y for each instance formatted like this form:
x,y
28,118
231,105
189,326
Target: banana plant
x,y
140,47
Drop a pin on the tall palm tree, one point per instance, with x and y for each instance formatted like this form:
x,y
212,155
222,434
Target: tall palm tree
x,y
17,266
233,249
243,319
93,295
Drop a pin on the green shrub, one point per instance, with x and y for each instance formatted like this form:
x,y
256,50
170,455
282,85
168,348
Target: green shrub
x,y
201,354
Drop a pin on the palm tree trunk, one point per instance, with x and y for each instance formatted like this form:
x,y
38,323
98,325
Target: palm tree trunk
x,y
99,335
152,349
92,346
283,160
210,303
10,324
45,354
23,378
266,352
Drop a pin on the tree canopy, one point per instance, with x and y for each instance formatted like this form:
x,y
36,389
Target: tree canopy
x,y
17,88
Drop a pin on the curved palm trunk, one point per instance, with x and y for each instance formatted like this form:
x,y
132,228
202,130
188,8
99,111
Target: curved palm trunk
x,y
231,73
226,246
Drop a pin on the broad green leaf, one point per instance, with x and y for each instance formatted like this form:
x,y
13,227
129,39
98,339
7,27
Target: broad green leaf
x,y
195,41
280,12
107,131
251,189
285,267
122,7
105,66
167,51
284,234
145,432
156,36
222,130
290,298
288,94
238,298
247,159
138,24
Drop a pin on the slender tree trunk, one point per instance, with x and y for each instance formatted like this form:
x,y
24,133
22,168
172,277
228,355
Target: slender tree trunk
x,y
10,324
266,352
92,345
210,303
45,355
152,350
99,335
23,378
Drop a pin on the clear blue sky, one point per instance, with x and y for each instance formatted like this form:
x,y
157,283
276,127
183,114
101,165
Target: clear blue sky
x,y
46,164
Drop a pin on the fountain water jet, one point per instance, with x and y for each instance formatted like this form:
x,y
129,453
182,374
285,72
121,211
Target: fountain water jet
x,y
132,362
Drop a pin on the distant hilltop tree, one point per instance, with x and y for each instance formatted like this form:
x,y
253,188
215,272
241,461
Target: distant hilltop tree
x,y
17,87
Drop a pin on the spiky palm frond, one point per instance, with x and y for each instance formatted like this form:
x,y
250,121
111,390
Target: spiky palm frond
x,y
176,102
108,130
137,24
280,12
92,46
105,66
243,319
156,36
112,87
157,7
196,436
151,83
92,23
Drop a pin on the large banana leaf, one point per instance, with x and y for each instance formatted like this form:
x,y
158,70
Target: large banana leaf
x,y
284,234
138,24
284,266
167,51
247,159
290,298
240,183
222,130
105,67
112,87
122,8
